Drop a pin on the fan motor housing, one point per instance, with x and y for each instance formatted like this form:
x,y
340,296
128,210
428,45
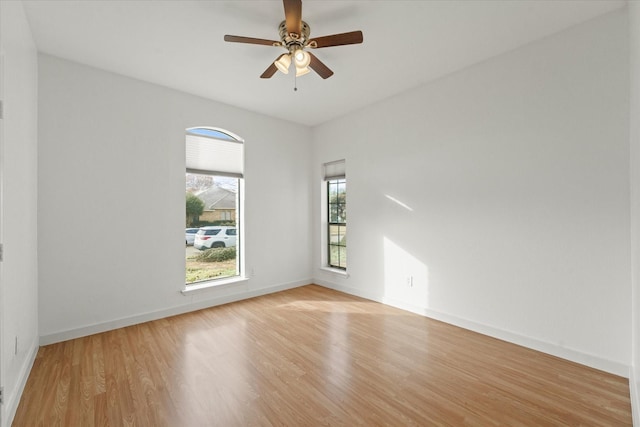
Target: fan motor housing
x,y
292,40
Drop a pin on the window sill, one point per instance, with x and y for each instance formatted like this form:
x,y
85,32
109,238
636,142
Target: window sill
x,y
336,271
213,284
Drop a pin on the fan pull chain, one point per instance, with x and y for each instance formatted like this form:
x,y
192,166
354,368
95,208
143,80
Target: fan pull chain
x,y
295,82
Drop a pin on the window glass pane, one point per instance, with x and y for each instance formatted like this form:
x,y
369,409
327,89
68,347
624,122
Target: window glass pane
x,y
343,257
337,218
334,256
212,133
338,235
333,213
342,235
338,256
334,235
213,211
341,212
333,190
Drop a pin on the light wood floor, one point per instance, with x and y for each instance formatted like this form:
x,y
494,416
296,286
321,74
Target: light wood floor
x,y
307,357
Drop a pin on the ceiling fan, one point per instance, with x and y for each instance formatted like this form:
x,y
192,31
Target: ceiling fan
x,y
294,37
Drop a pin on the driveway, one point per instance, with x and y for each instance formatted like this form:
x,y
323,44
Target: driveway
x,y
191,251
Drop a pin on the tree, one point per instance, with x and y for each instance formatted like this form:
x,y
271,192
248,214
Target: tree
x,y
195,207
338,207
198,182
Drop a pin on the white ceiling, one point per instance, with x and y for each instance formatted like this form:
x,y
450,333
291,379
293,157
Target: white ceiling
x,y
179,44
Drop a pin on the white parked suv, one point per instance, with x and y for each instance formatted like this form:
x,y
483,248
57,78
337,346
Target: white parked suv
x,y
215,236
190,235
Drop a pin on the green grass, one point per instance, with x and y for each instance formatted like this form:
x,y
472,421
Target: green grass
x,y
211,264
216,255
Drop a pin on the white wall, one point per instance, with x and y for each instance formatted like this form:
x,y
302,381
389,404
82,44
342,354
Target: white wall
x,y
634,137
111,199
516,173
18,277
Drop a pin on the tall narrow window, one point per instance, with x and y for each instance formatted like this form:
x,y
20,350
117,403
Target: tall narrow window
x,y
214,171
335,177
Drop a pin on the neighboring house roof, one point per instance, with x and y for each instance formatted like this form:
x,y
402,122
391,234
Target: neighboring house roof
x,y
217,198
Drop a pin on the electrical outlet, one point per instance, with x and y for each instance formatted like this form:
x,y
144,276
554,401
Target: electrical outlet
x,y
410,281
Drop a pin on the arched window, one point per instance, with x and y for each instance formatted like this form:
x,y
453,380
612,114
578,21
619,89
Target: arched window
x,y
214,151
214,172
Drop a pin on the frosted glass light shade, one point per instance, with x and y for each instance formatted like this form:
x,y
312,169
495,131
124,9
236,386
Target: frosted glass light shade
x,y
283,63
301,58
302,71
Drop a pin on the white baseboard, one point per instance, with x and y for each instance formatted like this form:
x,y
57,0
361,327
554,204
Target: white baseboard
x,y
572,355
13,399
633,390
160,314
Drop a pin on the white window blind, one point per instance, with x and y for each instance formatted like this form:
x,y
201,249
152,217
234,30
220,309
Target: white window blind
x,y
213,156
334,170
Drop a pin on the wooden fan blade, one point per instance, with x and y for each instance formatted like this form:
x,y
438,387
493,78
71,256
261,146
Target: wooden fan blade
x,y
250,40
293,15
271,70
353,37
317,66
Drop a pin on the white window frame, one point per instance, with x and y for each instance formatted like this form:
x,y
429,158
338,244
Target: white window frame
x,y
236,160
330,170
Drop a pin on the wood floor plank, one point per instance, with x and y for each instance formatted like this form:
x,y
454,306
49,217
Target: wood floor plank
x,y
311,356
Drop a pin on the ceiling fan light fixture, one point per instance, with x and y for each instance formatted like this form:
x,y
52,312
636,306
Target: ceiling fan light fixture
x,y
301,71
283,63
301,58
295,38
